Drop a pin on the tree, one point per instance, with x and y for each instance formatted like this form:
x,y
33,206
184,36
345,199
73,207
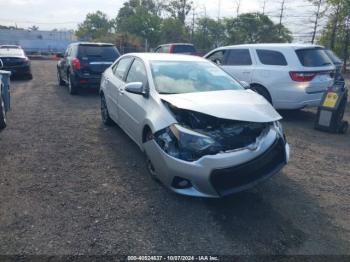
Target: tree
x,y
209,33
179,9
140,19
95,26
336,34
172,30
255,28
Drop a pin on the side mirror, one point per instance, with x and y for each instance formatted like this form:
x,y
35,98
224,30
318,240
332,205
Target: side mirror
x,y
245,84
59,55
136,88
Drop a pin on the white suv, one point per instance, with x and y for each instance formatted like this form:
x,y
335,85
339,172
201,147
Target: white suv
x,y
290,76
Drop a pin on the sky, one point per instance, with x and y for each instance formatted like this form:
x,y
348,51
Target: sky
x,y
67,14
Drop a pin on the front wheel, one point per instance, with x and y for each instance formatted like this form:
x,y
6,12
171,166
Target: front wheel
x,y
106,119
2,113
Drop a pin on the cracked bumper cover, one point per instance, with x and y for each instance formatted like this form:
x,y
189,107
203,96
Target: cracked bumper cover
x,y
207,173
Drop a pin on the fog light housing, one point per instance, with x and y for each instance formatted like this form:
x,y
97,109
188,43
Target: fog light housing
x,y
181,183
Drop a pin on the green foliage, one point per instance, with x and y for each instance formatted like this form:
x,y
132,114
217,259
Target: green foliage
x,y
209,33
179,9
172,30
95,25
255,28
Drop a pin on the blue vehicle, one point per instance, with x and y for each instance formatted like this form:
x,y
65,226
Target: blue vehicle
x,y
4,96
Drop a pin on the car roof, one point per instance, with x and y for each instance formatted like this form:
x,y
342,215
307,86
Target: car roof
x,y
274,45
166,57
177,44
93,43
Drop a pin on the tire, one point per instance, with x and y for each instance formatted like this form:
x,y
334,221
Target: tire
x,y
3,119
150,168
106,119
72,86
59,78
263,92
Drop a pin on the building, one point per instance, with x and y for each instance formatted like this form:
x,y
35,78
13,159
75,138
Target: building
x,y
37,41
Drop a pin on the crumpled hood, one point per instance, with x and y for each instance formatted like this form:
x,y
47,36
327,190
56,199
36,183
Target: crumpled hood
x,y
240,105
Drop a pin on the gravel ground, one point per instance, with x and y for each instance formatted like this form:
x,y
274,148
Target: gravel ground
x,y
69,185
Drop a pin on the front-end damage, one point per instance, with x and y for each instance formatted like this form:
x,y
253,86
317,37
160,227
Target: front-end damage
x,y
188,154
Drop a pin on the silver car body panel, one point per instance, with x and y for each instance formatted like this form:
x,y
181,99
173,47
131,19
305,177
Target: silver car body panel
x,y
134,112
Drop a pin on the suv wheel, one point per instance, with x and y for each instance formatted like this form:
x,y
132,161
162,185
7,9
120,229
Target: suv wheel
x,y
106,119
72,86
59,78
2,113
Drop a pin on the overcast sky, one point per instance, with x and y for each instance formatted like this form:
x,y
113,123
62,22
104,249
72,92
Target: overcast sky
x,y
50,14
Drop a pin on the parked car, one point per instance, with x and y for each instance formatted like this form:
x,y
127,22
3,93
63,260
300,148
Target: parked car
x,y
177,48
339,65
202,132
83,64
15,61
4,97
290,76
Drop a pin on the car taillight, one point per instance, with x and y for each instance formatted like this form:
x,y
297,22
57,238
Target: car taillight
x,y
302,76
76,64
26,60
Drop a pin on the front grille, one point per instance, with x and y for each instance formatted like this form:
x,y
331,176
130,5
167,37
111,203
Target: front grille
x,y
9,62
237,178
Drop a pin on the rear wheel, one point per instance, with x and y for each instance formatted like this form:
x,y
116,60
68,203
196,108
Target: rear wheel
x,y
59,78
106,119
72,86
2,113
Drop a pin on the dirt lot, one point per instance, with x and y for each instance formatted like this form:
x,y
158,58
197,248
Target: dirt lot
x,y
69,185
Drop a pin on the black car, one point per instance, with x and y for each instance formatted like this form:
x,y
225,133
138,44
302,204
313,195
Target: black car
x,y
15,61
337,63
82,65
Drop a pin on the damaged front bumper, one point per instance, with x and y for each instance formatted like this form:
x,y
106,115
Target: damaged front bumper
x,y
223,173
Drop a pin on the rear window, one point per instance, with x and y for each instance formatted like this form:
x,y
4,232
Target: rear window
x,y
108,53
333,57
184,49
239,57
11,52
313,57
269,57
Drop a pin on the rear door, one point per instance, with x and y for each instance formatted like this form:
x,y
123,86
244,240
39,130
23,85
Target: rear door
x,y
239,63
95,59
316,64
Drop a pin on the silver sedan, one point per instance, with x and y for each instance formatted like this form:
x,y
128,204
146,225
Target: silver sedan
x,y
202,132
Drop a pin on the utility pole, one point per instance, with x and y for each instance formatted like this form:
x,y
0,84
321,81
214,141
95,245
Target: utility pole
x,y
264,6
219,9
281,17
316,21
193,21
238,6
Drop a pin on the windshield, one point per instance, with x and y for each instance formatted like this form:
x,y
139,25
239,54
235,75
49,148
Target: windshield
x,y
177,77
106,53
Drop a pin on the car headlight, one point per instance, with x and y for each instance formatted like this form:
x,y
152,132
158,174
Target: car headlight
x,y
185,144
279,128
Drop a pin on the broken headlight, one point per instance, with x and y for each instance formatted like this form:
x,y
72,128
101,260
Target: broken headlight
x,y
185,144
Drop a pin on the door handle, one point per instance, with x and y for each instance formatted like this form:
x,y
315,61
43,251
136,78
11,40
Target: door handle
x,y
121,90
246,72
